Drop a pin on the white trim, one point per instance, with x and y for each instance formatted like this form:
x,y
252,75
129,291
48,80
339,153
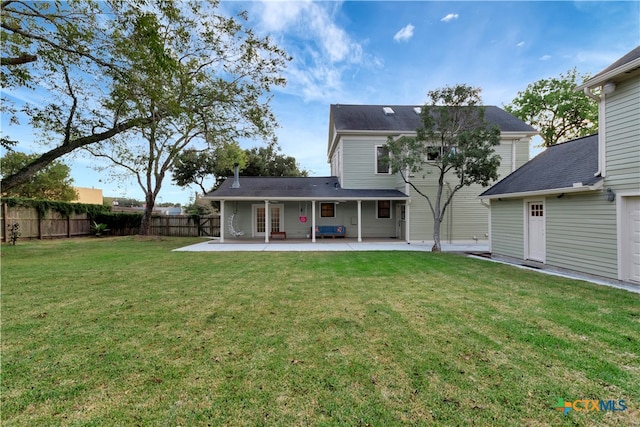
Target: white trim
x,y
620,227
302,199
313,221
222,221
359,220
390,209
254,219
526,203
334,209
578,189
375,160
603,78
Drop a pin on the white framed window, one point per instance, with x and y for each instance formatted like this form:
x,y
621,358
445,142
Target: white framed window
x,y
382,165
327,210
383,209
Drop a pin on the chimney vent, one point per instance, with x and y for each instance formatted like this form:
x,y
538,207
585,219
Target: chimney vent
x,y
236,176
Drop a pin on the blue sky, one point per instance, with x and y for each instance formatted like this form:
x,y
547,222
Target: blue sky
x,y
391,52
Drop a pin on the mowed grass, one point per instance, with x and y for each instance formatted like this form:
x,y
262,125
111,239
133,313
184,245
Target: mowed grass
x,y
122,331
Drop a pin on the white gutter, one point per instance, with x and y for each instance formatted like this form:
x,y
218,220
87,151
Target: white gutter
x,y
577,188
601,128
301,199
601,79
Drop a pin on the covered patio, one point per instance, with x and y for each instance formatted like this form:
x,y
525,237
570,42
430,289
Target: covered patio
x,y
297,207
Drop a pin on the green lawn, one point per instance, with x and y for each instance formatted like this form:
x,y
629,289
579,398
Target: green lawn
x,y
122,331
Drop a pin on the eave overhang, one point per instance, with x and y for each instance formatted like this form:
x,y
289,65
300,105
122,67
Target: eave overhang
x,y
602,79
548,192
303,199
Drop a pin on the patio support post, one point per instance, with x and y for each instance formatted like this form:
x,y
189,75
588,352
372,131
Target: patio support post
x,y
222,221
359,220
267,222
313,221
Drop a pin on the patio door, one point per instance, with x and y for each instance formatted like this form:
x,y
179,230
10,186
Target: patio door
x,y
276,219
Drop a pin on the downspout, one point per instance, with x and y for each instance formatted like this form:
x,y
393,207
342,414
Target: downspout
x,y
601,129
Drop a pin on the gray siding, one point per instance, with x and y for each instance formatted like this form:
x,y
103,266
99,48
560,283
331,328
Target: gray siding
x,y
466,219
507,228
623,136
581,234
360,162
522,152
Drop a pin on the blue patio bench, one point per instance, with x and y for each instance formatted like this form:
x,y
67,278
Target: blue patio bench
x,y
332,231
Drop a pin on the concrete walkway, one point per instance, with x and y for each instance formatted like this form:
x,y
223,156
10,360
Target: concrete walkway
x,y
336,245
347,245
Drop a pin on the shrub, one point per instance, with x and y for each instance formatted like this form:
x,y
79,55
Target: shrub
x,y
14,232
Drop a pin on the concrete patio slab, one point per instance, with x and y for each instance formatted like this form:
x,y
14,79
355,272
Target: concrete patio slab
x,y
327,246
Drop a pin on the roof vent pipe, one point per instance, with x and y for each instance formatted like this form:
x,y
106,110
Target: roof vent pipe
x,y
236,176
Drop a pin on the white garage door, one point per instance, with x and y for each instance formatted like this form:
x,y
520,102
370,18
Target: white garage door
x,y
631,239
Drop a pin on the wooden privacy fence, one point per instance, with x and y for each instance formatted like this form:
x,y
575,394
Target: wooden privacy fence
x,y
33,225
185,225
52,224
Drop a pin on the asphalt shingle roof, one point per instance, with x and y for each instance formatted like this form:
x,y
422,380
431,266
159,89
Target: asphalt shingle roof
x,y
634,54
272,187
405,118
559,166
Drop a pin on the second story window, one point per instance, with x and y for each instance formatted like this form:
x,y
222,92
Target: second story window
x,y
382,156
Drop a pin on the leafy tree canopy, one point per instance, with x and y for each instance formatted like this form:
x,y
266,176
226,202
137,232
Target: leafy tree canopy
x,y
196,167
51,183
454,139
203,77
556,109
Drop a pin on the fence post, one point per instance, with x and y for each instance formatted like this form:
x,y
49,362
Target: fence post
x,y
39,225
5,222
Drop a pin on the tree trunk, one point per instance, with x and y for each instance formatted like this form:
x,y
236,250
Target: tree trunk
x,y
145,227
436,234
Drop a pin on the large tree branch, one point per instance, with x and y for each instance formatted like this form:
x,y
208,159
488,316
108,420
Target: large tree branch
x,y
18,60
32,168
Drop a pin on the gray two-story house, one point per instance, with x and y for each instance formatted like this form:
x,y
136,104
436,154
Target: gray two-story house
x,y
576,206
362,198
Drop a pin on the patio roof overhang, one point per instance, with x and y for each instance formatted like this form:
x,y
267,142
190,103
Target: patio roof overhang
x,y
297,189
306,198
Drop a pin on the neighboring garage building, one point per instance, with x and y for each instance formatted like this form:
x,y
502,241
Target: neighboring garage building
x,y
577,204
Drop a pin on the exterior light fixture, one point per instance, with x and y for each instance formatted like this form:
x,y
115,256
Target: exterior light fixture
x,y
609,88
609,195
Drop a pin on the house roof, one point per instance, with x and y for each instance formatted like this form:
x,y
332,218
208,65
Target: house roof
x,y
406,118
296,188
561,168
623,68
395,119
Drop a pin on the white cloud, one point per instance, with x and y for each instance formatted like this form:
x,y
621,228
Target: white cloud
x,y
404,34
520,44
545,57
450,17
323,52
